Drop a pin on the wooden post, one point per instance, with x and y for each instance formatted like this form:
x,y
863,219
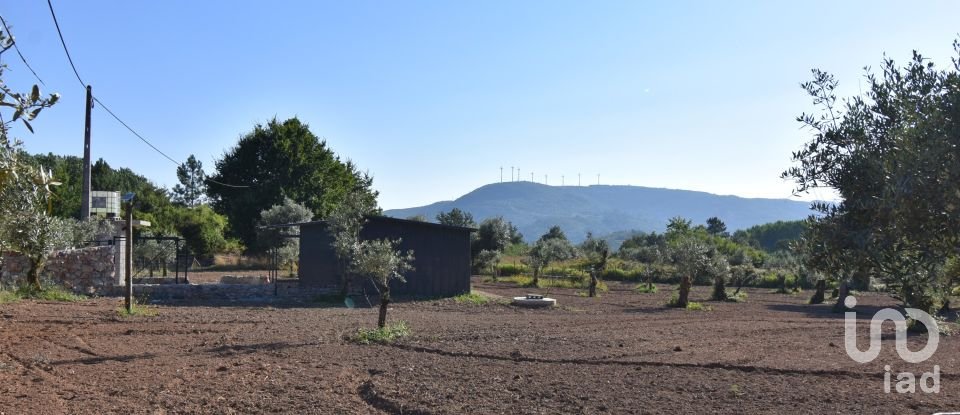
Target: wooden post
x,y
128,299
85,197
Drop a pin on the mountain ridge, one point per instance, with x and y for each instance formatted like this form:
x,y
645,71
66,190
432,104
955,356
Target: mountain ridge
x,y
605,209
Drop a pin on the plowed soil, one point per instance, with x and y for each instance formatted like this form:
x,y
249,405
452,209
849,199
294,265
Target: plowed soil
x,y
622,353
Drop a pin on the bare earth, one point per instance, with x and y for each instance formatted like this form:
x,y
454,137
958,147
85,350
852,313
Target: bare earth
x,y
620,353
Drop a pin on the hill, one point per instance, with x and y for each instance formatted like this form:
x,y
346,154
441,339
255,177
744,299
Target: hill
x,y
603,210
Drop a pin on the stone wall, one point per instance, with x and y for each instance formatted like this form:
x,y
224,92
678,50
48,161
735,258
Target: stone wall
x,y
87,270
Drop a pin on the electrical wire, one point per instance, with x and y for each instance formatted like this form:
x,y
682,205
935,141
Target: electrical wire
x,y
107,109
64,43
17,48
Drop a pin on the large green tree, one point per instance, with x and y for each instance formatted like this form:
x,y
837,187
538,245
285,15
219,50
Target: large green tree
x,y
891,154
276,160
192,188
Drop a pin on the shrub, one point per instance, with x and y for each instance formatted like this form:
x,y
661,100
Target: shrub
x,y
645,289
737,297
471,298
382,335
509,270
695,306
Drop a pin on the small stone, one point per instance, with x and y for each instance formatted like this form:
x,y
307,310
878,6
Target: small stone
x,y
677,349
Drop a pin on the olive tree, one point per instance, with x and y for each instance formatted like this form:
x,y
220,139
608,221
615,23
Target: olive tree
x,y
546,251
891,155
345,223
597,252
283,240
25,223
382,262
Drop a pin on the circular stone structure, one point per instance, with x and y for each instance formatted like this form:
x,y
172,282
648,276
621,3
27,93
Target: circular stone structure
x,y
533,301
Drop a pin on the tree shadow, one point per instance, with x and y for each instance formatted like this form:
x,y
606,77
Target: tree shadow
x,y
102,359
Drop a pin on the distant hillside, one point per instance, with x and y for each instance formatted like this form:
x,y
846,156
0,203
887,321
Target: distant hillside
x,y
604,210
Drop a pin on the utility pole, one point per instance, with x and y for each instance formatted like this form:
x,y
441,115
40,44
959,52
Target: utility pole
x,y
85,196
518,174
598,179
561,180
128,292
511,173
501,174
578,179
531,177
545,181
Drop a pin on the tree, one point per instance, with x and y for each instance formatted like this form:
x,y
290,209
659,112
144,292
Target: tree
x,y
418,218
282,240
678,226
891,155
494,234
716,227
382,262
345,223
193,187
25,221
202,230
277,160
488,259
28,227
546,251
156,253
597,252
456,217
554,233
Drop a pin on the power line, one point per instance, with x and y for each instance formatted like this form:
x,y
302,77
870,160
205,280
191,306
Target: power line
x,y
17,48
107,109
62,42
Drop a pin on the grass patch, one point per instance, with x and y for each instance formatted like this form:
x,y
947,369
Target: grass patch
x,y
645,289
137,310
388,334
47,294
691,305
739,297
695,306
472,298
8,297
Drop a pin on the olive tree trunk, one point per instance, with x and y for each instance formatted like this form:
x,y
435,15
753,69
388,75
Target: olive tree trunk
x,y
820,292
684,295
384,302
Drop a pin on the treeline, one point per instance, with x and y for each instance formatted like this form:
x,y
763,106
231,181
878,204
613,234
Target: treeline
x,y
277,164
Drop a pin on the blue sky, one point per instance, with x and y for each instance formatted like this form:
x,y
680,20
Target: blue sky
x,y
433,97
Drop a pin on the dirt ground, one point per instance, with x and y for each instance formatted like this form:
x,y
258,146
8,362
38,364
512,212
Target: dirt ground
x,y
622,353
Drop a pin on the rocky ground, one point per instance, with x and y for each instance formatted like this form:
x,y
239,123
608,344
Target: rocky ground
x,y
620,353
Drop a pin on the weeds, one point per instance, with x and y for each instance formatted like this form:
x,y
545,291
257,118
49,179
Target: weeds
x,y
739,297
645,289
138,309
388,334
691,305
472,298
47,294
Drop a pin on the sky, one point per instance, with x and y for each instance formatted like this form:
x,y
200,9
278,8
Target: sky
x,y
433,98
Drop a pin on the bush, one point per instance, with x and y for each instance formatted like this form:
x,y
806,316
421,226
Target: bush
x,y
509,270
471,298
645,289
385,335
617,274
739,297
